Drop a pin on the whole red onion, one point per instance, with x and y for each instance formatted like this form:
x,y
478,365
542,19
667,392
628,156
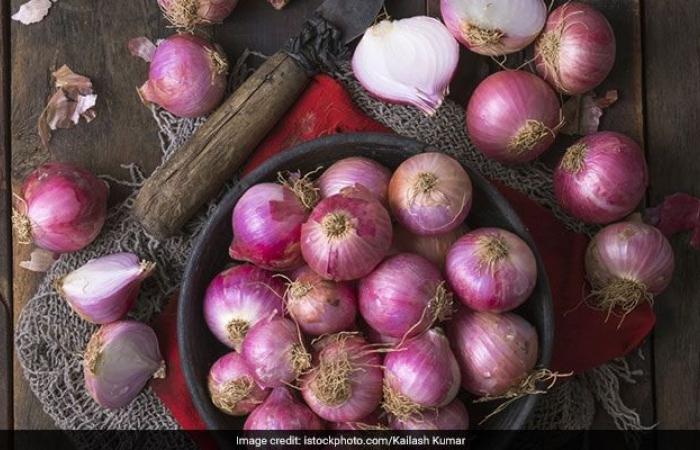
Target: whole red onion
x,y
628,263
232,386
187,14
453,416
601,178
353,172
321,306
430,194
274,351
187,76
404,296
282,411
238,298
345,385
420,374
494,351
63,208
432,248
491,269
576,51
346,236
513,116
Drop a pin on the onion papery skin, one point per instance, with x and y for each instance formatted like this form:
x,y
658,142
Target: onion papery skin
x,y
432,248
187,76
422,373
282,411
513,117
576,51
494,351
492,270
494,27
238,298
453,416
408,61
601,178
430,194
353,172
633,252
404,296
187,14
346,236
345,384
64,207
321,306
104,289
274,352
232,386
119,360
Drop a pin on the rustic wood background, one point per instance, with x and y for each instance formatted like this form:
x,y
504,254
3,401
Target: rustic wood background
x,y
656,73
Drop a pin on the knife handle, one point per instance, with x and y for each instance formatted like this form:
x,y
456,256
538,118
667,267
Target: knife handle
x,y
198,170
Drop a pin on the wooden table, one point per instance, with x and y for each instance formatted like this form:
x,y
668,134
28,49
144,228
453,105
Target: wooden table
x,y
658,106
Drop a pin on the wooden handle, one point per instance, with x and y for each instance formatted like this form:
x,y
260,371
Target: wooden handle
x,y
198,170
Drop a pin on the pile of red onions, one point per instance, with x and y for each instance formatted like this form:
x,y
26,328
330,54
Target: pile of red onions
x,y
188,14
513,116
187,76
601,178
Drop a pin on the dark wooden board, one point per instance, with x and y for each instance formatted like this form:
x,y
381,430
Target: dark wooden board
x,y
673,132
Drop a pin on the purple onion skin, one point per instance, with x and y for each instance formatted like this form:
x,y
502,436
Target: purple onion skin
x,y
232,368
267,224
497,286
609,181
186,76
394,296
365,379
433,248
356,171
632,251
494,351
282,411
329,307
244,293
424,370
502,105
66,207
453,416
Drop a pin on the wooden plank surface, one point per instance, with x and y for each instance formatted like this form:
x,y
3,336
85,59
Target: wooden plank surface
x,y
673,132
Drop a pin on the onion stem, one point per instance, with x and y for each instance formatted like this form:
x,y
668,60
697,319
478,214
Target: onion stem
x,y
574,158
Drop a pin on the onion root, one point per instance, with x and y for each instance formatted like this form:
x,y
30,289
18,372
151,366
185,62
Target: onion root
x,y
619,295
228,397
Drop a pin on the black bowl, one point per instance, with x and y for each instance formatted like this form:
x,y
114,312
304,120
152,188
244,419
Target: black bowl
x,y
198,347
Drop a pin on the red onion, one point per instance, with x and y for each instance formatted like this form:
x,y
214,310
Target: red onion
x,y
187,77
63,208
346,236
119,360
433,248
282,411
346,383
576,52
373,421
628,263
495,351
353,172
275,352
238,298
491,269
513,117
232,386
321,306
420,374
494,27
430,194
404,296
104,289
187,14
602,178
409,61
454,416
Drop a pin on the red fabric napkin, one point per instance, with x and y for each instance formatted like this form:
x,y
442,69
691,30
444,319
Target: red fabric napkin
x,y
583,340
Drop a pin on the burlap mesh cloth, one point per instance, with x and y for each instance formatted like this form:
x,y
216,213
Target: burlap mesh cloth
x,y
50,338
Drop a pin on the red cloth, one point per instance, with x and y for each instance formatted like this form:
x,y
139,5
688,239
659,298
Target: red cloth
x,y
583,340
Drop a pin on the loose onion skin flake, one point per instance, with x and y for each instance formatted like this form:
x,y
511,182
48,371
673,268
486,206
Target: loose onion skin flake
x,y
282,411
232,386
453,416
